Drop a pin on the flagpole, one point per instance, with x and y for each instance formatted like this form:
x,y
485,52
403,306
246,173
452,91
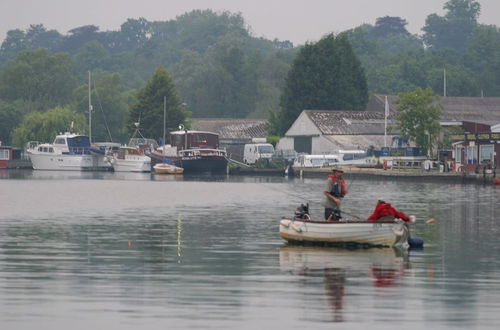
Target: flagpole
x,y
385,120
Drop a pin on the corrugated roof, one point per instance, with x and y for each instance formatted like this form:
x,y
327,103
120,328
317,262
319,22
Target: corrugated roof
x,y
484,110
363,142
347,122
232,128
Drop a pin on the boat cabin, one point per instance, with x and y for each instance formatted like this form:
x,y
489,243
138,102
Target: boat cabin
x,y
194,140
304,160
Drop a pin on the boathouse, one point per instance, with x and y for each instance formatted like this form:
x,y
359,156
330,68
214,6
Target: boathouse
x,y
323,132
233,133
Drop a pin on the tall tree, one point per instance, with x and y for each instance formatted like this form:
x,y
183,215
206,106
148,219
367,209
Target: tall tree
x,y
418,117
388,26
454,29
149,109
15,42
324,76
38,77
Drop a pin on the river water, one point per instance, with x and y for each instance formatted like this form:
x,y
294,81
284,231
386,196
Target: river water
x,y
138,251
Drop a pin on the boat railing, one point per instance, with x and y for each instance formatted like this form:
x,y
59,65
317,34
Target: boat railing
x,y
32,145
203,151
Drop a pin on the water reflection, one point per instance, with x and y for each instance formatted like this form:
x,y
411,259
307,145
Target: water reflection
x,y
385,267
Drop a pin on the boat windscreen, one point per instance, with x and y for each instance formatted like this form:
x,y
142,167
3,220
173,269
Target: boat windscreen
x,y
78,141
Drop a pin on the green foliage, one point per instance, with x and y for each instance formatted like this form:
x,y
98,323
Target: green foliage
x,y
110,104
273,140
324,76
388,26
38,77
10,117
149,109
418,117
44,126
453,29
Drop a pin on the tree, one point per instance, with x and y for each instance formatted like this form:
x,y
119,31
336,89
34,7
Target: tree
x,y
135,32
78,37
454,29
148,110
9,118
44,126
35,76
388,26
39,37
324,76
418,117
109,101
92,56
14,43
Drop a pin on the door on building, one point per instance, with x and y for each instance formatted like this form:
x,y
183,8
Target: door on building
x,y
302,144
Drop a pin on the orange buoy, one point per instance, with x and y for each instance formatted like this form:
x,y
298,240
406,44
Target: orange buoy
x,y
129,243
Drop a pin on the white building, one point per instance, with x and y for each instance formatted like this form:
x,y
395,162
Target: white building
x,y
322,132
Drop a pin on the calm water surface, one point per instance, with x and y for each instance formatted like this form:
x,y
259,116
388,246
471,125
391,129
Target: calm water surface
x,y
138,251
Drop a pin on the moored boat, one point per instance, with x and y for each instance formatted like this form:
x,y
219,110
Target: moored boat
x,y
379,233
163,168
130,159
68,152
194,151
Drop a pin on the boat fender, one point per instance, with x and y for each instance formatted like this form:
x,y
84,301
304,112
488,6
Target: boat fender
x,y
416,242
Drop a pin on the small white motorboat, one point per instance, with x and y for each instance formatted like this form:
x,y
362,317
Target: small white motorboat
x,y
163,168
364,233
130,159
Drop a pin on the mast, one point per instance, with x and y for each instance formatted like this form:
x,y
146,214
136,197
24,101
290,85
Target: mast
x,y
386,114
90,113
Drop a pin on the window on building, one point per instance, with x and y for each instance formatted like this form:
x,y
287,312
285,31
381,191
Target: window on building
x,y
4,154
486,153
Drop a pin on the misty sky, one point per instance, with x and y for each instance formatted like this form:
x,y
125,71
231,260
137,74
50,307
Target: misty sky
x,y
295,20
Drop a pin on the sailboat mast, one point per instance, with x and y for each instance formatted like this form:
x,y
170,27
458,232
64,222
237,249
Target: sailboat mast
x,y
90,113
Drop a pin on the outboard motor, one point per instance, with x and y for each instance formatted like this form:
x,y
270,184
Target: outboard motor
x,y
302,212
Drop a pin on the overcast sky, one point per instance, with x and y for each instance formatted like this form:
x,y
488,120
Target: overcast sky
x,y
295,20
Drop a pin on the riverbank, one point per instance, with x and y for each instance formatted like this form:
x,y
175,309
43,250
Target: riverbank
x,y
352,172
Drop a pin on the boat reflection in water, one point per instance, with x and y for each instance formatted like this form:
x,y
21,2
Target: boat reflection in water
x,y
386,267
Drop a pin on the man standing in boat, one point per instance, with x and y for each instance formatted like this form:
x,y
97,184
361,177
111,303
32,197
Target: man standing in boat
x,y
335,190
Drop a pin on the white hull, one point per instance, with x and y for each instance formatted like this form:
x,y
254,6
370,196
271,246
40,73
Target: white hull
x,y
69,152
371,233
132,164
61,162
167,169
